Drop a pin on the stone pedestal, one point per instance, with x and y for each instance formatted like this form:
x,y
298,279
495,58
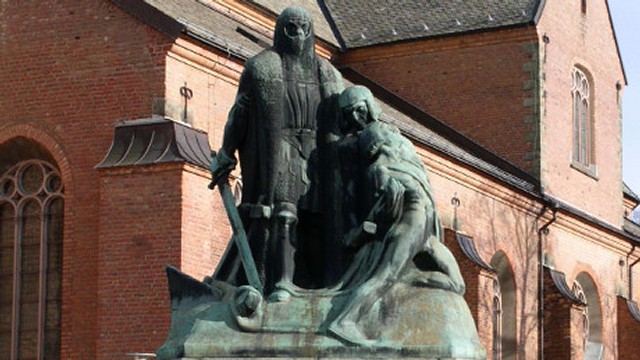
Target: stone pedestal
x,y
408,322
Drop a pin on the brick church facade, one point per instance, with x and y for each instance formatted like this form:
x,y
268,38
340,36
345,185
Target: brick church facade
x,y
109,109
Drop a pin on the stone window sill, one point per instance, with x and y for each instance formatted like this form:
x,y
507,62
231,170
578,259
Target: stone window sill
x,y
589,170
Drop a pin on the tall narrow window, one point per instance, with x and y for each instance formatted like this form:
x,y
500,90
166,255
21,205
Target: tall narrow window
x,y
31,213
585,289
497,321
503,303
582,132
583,6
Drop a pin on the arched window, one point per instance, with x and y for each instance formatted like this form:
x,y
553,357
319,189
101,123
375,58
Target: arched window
x,y
585,289
582,122
31,218
503,310
497,321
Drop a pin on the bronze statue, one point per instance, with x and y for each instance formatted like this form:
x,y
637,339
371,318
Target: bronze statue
x,y
273,126
319,167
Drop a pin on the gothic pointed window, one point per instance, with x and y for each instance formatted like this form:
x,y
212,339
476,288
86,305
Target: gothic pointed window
x,y
31,214
582,120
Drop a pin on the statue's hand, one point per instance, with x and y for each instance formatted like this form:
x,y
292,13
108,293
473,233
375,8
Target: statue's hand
x,y
221,165
361,235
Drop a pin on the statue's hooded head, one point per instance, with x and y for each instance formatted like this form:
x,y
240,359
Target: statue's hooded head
x,y
294,32
358,108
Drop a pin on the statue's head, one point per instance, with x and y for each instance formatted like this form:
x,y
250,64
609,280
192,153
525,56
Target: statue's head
x,y
358,108
377,141
294,32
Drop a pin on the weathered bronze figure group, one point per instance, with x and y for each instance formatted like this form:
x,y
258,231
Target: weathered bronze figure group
x,y
336,207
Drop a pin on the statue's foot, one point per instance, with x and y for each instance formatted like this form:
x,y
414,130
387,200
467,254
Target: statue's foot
x,y
279,296
246,301
348,332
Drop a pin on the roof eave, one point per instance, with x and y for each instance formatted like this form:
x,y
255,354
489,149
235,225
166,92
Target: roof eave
x,y
538,12
444,35
629,193
151,16
174,28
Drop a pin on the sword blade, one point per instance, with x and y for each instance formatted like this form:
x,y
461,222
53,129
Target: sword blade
x,y
239,235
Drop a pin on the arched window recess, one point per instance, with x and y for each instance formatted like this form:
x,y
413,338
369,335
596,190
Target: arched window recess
x,y
31,222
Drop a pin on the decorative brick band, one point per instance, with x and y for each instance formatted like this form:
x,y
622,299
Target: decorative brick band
x,y
50,142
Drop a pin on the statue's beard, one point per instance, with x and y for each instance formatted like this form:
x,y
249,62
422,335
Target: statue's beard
x,y
297,56
295,46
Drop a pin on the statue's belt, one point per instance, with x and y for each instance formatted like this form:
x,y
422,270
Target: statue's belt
x,y
298,131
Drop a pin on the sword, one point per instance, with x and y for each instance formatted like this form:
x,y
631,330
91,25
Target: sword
x,y
239,235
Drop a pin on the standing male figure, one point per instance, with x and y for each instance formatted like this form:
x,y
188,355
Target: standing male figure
x,y
273,126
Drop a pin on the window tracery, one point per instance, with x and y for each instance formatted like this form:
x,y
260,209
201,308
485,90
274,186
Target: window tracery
x,y
582,127
31,218
497,321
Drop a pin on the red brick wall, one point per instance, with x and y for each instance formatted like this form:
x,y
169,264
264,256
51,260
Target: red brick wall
x,y
212,76
140,233
628,330
479,291
572,248
71,70
484,85
562,324
470,272
635,279
587,41
205,227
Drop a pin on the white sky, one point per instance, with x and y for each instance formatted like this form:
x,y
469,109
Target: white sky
x,y
626,20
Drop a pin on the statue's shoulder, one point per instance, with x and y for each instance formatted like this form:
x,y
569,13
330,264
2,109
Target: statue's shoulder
x,y
266,65
381,127
327,71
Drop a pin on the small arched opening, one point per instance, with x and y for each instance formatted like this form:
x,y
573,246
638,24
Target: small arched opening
x,y
503,309
585,289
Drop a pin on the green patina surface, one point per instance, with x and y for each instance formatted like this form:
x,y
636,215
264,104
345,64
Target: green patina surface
x,y
409,321
338,248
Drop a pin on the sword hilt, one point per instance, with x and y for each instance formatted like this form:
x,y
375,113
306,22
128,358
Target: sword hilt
x,y
220,173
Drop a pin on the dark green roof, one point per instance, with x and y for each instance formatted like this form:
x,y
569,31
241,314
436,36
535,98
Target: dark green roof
x,y
360,23
349,24
370,22
626,190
